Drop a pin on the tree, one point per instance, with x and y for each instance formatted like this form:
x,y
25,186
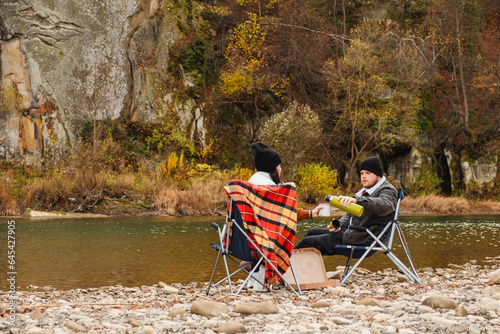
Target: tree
x,y
245,75
296,134
375,92
453,31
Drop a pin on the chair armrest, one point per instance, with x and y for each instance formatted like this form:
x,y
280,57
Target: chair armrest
x,y
357,228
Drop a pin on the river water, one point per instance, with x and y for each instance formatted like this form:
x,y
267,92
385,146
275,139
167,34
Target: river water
x,y
134,251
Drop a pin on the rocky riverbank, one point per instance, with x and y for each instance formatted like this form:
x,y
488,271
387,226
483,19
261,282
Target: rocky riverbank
x,y
457,299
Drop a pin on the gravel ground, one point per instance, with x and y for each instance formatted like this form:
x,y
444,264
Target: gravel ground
x,y
457,299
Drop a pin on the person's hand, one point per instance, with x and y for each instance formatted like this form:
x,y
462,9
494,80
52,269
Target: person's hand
x,y
315,211
334,230
346,200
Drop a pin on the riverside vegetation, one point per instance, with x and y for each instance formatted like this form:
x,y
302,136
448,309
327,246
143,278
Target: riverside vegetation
x,y
100,184
135,168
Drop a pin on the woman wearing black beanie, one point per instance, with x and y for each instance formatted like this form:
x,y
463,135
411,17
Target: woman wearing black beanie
x,y
268,165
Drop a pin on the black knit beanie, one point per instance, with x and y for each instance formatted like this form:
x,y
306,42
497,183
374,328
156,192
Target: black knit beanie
x,y
266,159
372,164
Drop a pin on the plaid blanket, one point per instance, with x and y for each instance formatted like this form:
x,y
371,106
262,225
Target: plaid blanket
x,y
270,217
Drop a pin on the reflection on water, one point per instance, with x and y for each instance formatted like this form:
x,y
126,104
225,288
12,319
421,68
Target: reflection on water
x,y
143,251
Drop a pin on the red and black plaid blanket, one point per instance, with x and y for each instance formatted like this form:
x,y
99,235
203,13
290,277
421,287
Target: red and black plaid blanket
x,y
270,217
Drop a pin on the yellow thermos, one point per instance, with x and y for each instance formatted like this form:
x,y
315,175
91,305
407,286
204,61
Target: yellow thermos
x,y
352,208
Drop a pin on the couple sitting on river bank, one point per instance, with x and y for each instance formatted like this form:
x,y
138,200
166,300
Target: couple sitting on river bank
x,y
378,197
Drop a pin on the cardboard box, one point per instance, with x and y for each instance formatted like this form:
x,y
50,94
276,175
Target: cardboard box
x,y
309,269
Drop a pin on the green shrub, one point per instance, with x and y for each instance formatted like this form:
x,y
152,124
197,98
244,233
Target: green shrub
x,y
425,183
295,134
315,181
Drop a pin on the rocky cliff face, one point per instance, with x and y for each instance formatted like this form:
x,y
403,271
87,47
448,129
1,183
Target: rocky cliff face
x,y
68,62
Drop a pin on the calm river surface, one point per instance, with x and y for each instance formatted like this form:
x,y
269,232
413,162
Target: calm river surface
x,y
134,251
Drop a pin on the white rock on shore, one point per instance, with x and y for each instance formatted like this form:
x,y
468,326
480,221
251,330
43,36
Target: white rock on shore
x,y
455,299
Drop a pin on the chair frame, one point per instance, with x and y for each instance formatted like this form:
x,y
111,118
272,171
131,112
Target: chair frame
x,y
380,244
224,251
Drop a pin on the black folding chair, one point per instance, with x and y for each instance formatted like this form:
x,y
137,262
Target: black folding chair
x,y
381,243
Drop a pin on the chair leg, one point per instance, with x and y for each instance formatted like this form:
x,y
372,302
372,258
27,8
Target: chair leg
x,y
229,276
249,275
213,271
347,266
353,268
295,278
411,274
407,251
263,256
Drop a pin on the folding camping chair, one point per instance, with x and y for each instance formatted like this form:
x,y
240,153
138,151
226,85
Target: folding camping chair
x,y
235,242
381,243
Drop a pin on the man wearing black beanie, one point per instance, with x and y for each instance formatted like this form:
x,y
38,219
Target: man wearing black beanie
x,y
372,164
378,197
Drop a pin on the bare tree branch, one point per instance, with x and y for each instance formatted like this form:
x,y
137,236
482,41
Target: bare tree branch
x,y
339,38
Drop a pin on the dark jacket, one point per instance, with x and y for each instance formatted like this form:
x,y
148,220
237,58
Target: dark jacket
x,y
379,209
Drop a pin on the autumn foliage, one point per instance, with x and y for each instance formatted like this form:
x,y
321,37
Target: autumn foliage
x,y
378,74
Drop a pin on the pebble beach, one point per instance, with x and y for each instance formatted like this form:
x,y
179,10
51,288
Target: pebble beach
x,y
457,299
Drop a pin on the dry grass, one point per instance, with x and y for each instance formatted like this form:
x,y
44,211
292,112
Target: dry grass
x,y
82,184
436,204
121,185
9,206
69,193
165,200
48,194
490,206
201,198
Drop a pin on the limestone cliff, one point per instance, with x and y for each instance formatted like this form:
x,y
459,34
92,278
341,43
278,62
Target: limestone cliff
x,y
68,62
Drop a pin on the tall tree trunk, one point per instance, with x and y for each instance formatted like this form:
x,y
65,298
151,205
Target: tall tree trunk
x,y
344,25
461,72
497,90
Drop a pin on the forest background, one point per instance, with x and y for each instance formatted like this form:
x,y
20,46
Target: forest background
x,y
325,83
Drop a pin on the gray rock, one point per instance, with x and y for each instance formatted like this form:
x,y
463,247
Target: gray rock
x,y
175,312
448,325
439,302
495,276
256,308
37,315
321,304
401,277
492,305
232,327
170,289
209,308
135,322
367,302
334,274
343,310
148,330
398,289
461,311
456,266
74,326
491,290
341,321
